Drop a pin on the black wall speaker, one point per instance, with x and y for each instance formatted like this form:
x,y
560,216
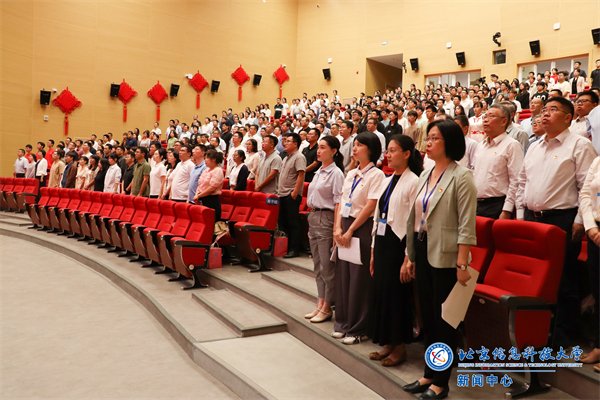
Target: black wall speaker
x,y
460,57
174,90
327,73
114,90
596,35
45,97
414,64
214,87
256,80
535,47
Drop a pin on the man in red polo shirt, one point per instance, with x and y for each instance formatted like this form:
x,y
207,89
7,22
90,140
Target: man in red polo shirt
x,y
49,153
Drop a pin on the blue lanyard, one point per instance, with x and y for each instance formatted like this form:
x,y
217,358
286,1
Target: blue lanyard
x,y
386,199
355,182
426,197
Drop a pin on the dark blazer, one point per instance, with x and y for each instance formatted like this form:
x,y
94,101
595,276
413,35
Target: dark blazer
x,y
71,175
242,179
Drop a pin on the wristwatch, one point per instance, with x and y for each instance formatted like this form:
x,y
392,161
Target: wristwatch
x,y
463,267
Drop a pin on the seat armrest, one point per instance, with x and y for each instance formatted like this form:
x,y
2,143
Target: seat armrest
x,y
525,302
191,243
256,228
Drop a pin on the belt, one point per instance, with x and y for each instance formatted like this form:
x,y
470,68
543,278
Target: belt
x,y
314,209
492,199
547,213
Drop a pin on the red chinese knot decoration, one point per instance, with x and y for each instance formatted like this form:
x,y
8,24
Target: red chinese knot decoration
x,y
158,94
126,93
199,83
240,77
67,103
281,77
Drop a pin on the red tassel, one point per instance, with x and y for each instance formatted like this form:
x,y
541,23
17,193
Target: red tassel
x,y
240,94
198,100
124,112
158,112
66,124
280,92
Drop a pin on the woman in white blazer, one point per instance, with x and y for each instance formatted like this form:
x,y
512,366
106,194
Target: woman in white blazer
x,y
390,316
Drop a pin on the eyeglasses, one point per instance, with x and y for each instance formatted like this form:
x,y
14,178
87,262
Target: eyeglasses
x,y
535,123
552,110
581,102
433,139
392,151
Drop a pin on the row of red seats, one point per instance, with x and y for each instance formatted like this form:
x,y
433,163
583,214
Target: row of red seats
x,y
176,235
16,192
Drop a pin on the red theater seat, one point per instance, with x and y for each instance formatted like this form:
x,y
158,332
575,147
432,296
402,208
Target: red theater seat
x,y
121,232
64,216
227,205
241,213
102,222
186,255
516,303
155,214
166,223
29,194
32,207
126,216
256,236
179,227
7,187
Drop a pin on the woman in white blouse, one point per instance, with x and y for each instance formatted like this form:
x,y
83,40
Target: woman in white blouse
x,y
172,161
323,195
41,171
354,220
476,122
589,209
113,176
207,127
390,316
252,157
83,173
158,174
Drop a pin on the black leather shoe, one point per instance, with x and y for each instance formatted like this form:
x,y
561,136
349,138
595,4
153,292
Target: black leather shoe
x,y
291,254
416,387
430,394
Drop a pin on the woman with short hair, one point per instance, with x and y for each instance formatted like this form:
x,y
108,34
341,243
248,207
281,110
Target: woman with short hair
x,y
210,183
441,231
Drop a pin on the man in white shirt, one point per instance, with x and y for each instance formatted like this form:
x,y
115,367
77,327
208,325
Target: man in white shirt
x,y
563,85
449,104
535,106
347,143
157,130
237,145
498,159
86,149
552,175
466,102
181,179
112,179
586,102
514,130
20,165
372,127
185,132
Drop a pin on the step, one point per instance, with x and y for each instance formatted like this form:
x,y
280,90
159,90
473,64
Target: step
x,y
15,219
240,315
288,369
295,282
387,382
302,264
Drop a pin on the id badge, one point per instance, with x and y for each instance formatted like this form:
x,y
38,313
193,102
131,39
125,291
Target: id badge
x,y
381,227
346,210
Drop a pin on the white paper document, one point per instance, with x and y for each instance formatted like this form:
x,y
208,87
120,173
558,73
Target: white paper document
x,y
352,253
455,307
